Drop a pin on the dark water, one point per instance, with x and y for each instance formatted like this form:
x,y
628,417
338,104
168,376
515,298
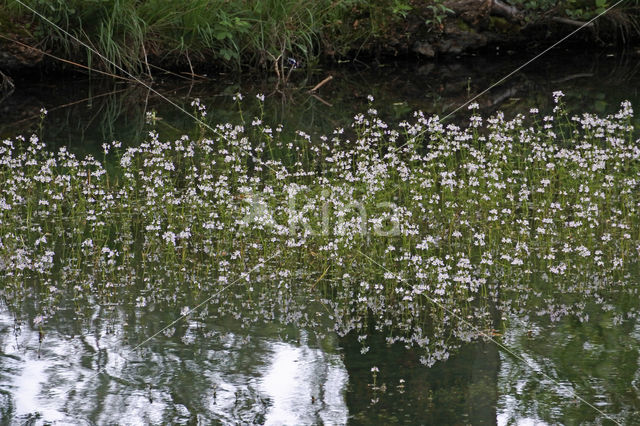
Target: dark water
x,y
85,113
85,365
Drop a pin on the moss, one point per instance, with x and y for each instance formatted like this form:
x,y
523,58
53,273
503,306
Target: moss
x,y
461,24
501,25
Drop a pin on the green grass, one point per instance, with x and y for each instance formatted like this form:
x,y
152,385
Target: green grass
x,y
225,34
222,34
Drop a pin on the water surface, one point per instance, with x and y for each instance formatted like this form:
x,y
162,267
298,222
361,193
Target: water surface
x,y
90,362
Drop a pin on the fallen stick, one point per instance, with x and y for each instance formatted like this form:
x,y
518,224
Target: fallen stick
x,y
322,83
568,21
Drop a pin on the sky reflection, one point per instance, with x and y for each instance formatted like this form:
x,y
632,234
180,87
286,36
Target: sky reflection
x,y
259,379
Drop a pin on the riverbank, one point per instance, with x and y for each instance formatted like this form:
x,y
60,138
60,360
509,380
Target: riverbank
x,y
195,36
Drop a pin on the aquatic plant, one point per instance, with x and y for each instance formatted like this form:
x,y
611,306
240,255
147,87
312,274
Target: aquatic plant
x,y
430,232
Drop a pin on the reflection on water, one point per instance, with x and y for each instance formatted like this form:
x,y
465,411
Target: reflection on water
x,y
228,377
84,114
304,385
85,369
28,387
596,360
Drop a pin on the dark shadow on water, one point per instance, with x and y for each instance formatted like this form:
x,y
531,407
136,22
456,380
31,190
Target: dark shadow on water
x,y
461,390
83,114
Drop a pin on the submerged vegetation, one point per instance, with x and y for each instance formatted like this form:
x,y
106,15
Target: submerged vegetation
x,y
432,234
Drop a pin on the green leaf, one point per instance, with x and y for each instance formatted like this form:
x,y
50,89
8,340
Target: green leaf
x,y
227,54
221,35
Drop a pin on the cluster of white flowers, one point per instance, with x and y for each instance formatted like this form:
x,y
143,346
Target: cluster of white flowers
x,y
412,219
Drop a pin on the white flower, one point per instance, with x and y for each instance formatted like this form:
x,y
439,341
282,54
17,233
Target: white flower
x,y
557,95
185,234
169,237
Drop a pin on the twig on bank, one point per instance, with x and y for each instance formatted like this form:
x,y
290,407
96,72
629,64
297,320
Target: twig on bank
x,y
166,71
146,62
191,74
322,83
567,21
190,65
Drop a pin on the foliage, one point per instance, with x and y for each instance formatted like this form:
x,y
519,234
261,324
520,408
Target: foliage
x,y
111,27
223,33
439,12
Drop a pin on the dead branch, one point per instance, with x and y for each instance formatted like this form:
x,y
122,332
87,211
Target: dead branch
x,y
322,83
573,22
